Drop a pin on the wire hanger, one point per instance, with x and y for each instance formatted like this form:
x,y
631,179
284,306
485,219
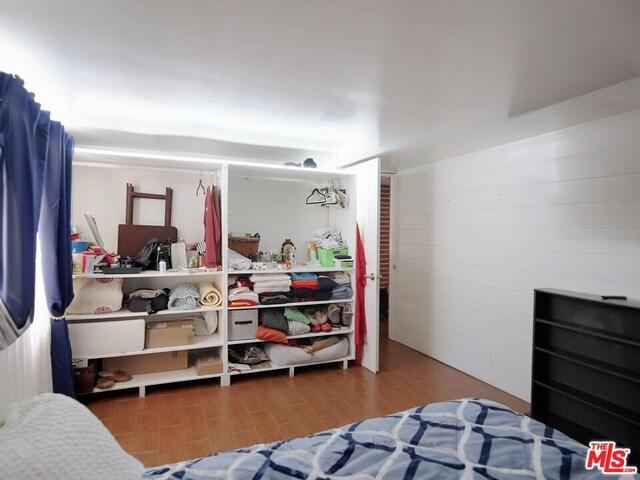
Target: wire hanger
x,y
330,196
316,197
200,186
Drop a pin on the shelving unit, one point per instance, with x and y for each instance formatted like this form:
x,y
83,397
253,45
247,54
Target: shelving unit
x,y
586,367
286,216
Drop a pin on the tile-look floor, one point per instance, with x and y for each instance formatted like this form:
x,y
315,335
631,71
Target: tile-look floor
x,y
179,422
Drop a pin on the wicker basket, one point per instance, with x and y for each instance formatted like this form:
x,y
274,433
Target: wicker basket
x,y
245,246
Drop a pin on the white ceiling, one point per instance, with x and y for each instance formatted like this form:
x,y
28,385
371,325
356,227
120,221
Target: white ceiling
x,y
412,79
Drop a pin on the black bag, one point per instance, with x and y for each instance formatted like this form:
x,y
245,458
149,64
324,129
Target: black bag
x,y
147,257
149,305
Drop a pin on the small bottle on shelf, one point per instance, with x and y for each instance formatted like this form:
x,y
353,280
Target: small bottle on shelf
x,y
162,266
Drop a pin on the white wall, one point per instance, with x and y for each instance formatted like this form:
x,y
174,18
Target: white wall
x,y
476,234
102,192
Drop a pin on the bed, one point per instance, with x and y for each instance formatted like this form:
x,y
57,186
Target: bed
x,y
53,436
467,438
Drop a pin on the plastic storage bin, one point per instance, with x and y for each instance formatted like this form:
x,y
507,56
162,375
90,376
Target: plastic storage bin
x,y
326,256
243,324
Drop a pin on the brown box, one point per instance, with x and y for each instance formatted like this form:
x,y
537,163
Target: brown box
x,y
209,364
169,334
153,362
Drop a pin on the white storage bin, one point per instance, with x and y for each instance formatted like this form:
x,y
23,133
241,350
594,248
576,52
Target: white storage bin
x,y
243,324
105,338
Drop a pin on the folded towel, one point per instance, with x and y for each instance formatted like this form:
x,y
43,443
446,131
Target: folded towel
x,y
273,289
268,277
273,283
304,276
184,296
209,295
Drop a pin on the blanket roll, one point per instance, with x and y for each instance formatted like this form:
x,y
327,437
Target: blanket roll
x,y
209,294
184,296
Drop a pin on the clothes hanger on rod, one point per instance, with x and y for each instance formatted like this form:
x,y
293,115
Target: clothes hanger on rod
x,y
316,198
200,186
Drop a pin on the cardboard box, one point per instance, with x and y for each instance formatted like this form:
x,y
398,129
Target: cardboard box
x,y
169,334
153,362
209,364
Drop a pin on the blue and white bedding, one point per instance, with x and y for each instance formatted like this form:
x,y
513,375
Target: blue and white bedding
x,y
467,438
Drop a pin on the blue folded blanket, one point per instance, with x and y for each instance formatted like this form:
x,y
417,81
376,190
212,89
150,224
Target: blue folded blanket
x,y
184,296
303,276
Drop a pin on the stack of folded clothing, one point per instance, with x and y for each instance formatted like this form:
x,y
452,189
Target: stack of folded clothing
x,y
304,280
271,283
240,294
342,290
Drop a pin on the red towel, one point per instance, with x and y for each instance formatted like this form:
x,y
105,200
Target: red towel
x,y
360,314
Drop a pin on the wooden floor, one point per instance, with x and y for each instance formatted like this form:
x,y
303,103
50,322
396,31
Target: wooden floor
x,y
175,423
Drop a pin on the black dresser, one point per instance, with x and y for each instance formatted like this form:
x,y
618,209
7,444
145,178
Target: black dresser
x,y
586,367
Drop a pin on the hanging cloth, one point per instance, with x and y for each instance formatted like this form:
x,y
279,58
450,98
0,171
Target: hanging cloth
x,y
21,178
212,232
360,313
35,175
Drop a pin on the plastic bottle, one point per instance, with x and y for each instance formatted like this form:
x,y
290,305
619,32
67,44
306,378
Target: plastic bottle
x,y
162,266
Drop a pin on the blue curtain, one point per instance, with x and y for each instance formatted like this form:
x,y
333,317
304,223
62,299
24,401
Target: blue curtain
x,y
35,169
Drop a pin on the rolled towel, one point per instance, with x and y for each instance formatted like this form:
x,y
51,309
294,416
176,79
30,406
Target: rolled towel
x,y
184,296
209,295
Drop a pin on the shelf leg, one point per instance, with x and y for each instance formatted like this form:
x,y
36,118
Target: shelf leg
x,y
142,391
345,364
292,371
225,380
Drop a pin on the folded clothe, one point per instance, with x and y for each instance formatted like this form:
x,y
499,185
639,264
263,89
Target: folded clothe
x,y
274,318
271,335
203,326
209,294
303,276
242,303
306,295
238,262
342,292
184,296
239,367
292,313
270,277
310,284
147,293
340,277
297,328
325,283
273,299
272,287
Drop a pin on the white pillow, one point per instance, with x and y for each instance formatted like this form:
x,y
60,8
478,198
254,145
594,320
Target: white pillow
x,y
54,437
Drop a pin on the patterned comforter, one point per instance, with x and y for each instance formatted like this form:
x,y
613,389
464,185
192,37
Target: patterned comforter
x,y
467,438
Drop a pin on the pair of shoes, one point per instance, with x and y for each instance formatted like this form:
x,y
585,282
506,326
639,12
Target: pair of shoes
x,y
325,327
347,314
107,379
335,312
315,328
121,376
104,383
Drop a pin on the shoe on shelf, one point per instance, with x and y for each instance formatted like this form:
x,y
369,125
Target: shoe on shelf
x,y
121,376
104,383
316,328
347,314
334,313
326,327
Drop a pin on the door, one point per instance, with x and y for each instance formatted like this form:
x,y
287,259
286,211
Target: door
x,y
368,216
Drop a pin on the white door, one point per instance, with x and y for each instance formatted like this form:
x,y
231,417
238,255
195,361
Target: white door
x,y
368,216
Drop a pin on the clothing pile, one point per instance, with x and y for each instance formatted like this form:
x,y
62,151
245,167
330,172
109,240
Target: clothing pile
x,y
277,323
271,283
310,287
342,289
329,238
240,293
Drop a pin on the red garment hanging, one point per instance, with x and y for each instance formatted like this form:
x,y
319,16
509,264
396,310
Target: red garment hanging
x,y
360,313
212,232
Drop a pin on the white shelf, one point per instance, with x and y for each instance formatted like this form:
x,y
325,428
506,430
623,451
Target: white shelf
x,y
302,269
282,367
126,313
294,304
158,378
343,331
151,274
208,341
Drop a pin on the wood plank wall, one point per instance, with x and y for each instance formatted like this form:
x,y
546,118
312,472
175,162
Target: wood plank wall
x,y
476,234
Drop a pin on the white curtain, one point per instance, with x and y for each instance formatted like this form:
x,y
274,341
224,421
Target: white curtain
x,y
25,366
